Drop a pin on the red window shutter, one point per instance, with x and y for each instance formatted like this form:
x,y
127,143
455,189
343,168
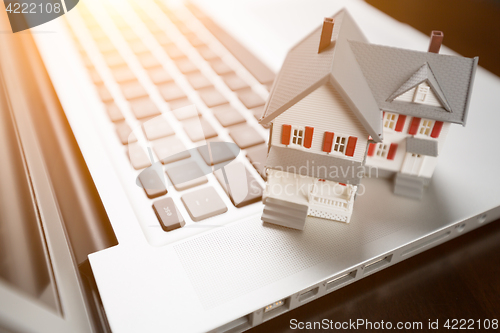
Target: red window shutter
x,y
371,149
401,123
351,146
327,142
415,122
308,137
436,130
285,134
392,151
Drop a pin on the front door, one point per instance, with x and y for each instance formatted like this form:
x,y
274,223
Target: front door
x,y
412,164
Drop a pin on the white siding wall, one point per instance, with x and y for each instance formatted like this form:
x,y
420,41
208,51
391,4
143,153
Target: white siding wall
x,y
391,136
431,98
325,110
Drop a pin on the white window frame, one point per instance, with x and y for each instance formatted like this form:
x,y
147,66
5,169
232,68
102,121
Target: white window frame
x,y
381,150
339,145
421,93
425,127
297,136
390,120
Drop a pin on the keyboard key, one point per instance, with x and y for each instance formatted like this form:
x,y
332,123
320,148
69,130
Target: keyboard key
x,y
194,39
256,67
185,66
143,108
168,215
227,115
183,28
186,175
138,157
216,152
156,128
212,97
123,74
250,99
243,187
152,183
125,133
96,78
114,112
245,136
162,38
257,112
234,82
86,61
170,149
257,156
198,81
129,34
220,67
104,45
174,52
98,33
171,91
114,59
138,47
148,60
207,53
179,103
198,129
104,93
153,27
159,75
133,90
182,112
120,22
171,15
203,203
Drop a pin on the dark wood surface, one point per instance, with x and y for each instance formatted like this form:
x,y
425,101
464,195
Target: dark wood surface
x,y
470,27
459,279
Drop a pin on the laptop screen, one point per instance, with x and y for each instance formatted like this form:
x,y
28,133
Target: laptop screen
x,y
24,262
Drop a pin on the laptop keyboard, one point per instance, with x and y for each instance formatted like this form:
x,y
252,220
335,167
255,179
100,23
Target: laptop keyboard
x,y
160,69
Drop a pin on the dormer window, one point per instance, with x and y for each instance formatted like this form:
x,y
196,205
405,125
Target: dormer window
x,y
421,93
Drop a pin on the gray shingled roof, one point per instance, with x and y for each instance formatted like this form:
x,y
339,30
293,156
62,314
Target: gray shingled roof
x,y
422,146
389,70
304,70
315,165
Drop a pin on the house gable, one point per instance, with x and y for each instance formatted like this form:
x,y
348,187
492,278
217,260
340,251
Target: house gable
x,y
430,98
325,111
425,88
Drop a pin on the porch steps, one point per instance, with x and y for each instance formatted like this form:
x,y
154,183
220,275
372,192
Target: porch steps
x,y
409,186
284,213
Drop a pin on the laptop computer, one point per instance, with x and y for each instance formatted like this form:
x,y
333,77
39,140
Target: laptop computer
x,y
116,64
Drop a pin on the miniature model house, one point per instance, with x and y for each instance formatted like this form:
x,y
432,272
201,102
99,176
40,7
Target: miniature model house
x,y
339,101
421,94
322,114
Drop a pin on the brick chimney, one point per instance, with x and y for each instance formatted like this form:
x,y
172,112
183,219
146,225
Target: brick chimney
x,y
436,40
326,34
